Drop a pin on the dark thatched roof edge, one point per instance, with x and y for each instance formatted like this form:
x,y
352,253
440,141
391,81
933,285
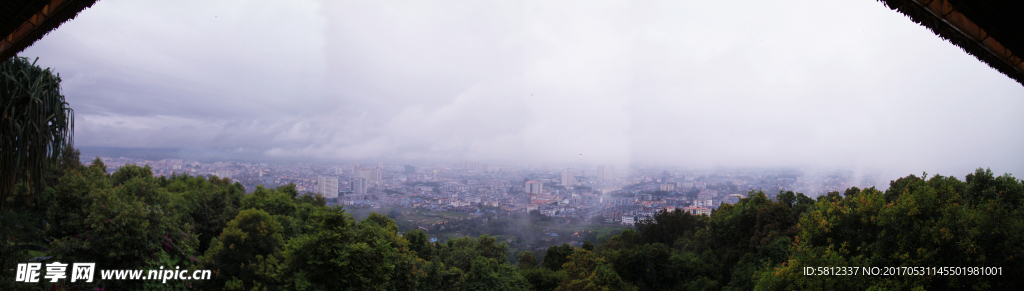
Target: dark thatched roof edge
x,y
67,11
922,16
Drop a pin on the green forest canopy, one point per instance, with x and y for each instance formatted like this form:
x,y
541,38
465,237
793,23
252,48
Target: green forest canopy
x,y
276,239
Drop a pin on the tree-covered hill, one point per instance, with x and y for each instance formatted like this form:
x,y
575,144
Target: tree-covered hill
x,y
276,239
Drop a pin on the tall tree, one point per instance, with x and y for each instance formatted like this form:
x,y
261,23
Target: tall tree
x,y
588,272
556,256
247,253
935,222
35,123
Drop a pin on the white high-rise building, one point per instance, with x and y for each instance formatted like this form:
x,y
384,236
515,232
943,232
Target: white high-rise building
x,y
223,174
534,187
359,185
377,176
604,173
327,186
372,176
568,179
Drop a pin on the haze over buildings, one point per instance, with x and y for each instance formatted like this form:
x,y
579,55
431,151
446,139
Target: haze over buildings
x,y
579,193
327,186
568,178
358,185
703,84
534,187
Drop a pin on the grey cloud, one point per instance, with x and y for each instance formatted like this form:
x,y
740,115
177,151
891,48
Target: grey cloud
x,y
831,84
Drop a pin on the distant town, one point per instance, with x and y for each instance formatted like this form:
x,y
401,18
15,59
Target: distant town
x,y
621,196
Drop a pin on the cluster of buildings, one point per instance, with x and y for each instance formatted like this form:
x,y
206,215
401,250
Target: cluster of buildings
x,y
594,193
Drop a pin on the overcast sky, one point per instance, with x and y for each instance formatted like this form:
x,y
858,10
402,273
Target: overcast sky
x,y
834,84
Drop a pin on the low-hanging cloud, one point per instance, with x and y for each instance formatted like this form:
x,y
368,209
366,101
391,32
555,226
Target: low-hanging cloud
x,y
833,84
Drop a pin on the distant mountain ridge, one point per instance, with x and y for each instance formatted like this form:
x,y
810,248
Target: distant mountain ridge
x,y
155,154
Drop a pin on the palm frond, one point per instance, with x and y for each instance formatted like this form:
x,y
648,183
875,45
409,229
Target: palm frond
x,y
36,124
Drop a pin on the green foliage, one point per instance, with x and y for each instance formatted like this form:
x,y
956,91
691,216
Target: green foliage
x,y
420,243
473,264
247,253
68,161
277,239
131,226
587,246
745,231
522,229
491,274
542,279
69,204
936,222
209,204
22,231
312,200
676,250
648,266
356,256
272,201
587,272
666,227
35,124
128,172
556,256
98,164
461,252
539,278
525,260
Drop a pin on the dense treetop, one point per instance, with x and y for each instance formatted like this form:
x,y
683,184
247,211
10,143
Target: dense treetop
x,y
277,239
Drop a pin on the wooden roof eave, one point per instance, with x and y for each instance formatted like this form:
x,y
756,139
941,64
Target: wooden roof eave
x,y
51,16
945,21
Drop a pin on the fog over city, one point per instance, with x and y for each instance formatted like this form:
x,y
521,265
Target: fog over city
x,y
808,84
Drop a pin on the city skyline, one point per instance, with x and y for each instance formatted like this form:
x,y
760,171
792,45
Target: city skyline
x,y
310,175
595,193
512,145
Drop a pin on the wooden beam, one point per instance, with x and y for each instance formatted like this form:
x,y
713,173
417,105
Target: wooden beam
x,y
945,11
33,23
